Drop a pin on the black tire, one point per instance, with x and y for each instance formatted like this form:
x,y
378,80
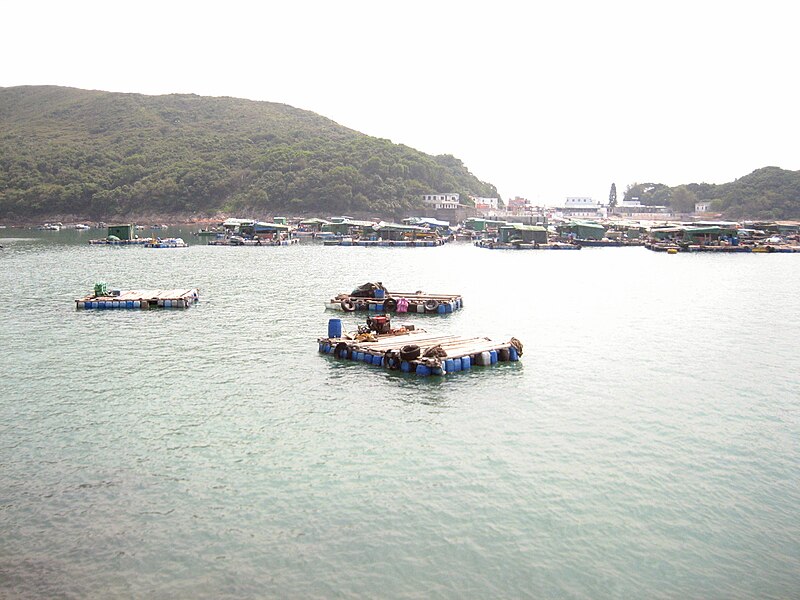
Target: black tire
x,y
342,350
392,359
410,352
390,304
348,306
431,305
503,355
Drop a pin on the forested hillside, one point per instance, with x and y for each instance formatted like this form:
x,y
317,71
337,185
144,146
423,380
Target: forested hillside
x,y
768,193
65,151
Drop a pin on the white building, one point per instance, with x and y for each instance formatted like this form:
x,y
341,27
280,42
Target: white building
x,y
634,209
441,201
581,206
702,207
485,203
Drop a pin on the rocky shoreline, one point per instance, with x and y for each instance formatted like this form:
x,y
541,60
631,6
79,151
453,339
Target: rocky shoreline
x,y
141,219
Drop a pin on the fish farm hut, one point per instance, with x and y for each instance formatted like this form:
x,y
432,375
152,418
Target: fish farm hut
x,y
314,225
349,227
123,232
477,224
582,230
526,234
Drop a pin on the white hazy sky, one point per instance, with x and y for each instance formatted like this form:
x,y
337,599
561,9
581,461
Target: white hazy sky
x,y
543,99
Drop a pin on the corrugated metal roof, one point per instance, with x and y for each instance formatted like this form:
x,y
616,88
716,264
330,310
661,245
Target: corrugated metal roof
x,y
521,227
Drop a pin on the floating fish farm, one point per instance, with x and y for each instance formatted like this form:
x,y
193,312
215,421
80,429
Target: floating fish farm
x,y
386,243
492,245
411,350
373,299
103,298
233,241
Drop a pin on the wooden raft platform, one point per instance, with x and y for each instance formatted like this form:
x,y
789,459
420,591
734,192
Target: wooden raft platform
x,y
420,352
767,249
525,246
140,299
133,242
258,243
417,303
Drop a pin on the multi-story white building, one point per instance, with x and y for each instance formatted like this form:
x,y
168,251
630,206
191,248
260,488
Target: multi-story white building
x,y
581,206
442,201
485,203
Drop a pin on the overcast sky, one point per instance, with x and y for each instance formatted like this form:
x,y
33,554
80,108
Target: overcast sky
x,y
543,99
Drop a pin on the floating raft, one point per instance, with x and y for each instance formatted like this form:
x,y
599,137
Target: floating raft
x,y
423,353
265,243
140,299
675,248
608,243
416,302
524,246
133,242
384,243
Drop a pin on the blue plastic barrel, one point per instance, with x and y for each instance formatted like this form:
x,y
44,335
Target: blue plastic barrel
x,y
405,366
379,307
379,293
512,352
441,309
466,363
334,328
423,370
493,355
449,365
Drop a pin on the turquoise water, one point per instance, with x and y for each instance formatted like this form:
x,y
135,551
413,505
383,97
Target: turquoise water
x,y
645,446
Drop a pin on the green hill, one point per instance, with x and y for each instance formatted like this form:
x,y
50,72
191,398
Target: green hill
x,y
65,151
768,193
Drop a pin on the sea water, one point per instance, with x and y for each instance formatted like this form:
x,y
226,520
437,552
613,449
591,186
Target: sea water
x,y
646,445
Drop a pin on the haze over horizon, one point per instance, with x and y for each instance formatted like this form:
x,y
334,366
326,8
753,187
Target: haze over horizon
x,y
542,101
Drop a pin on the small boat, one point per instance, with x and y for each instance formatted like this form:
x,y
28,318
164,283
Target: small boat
x,y
175,242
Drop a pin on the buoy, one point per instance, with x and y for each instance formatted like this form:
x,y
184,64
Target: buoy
x,y
672,250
